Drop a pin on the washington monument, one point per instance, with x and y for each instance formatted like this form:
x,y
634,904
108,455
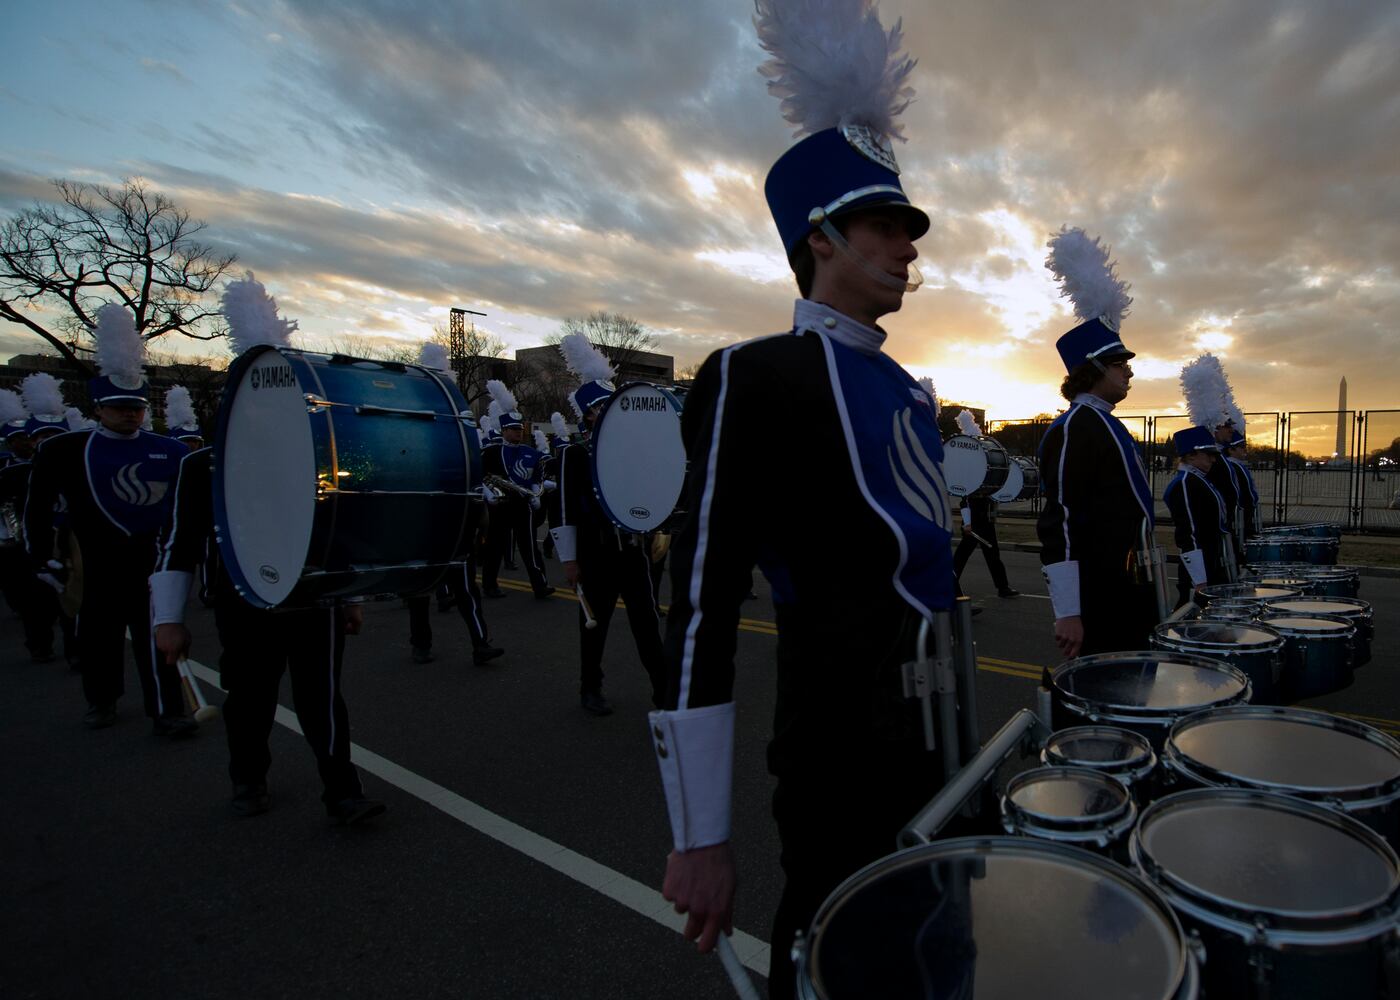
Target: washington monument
x,y
1341,450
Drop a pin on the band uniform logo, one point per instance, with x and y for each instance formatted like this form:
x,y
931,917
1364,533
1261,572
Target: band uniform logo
x,y
131,488
648,404
272,377
917,477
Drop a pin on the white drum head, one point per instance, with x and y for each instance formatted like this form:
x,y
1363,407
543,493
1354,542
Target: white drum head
x,y
964,465
1011,489
639,458
269,478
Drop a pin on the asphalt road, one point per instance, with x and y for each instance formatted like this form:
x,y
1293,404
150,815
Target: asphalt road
x,y
524,845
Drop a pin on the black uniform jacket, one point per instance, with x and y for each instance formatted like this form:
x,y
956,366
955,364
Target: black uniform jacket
x,y
1196,512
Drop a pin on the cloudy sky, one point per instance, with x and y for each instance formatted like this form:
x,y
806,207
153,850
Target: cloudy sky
x,y
377,161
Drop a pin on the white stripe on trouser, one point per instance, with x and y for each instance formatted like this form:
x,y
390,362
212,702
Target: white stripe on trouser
x,y
151,637
331,700
467,596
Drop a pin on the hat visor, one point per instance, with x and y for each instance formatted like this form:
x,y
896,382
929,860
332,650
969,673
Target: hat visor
x,y
916,220
1121,354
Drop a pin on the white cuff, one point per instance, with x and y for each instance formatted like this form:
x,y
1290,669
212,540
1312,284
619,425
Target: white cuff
x,y
1195,562
1063,580
695,748
169,590
966,516
565,542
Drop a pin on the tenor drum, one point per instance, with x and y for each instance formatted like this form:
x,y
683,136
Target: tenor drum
x,y
1145,692
1317,529
1355,611
1318,653
1232,608
1291,899
1255,649
336,477
1070,805
974,466
1274,548
1317,756
1333,581
1003,917
1015,483
638,457
1252,591
1299,583
1122,753
1317,551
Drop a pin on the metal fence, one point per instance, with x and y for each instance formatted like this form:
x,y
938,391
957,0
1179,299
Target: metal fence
x,y
1341,468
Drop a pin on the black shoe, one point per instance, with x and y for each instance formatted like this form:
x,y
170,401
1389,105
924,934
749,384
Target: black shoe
x,y
250,800
1008,592
493,592
352,812
43,656
976,610
100,716
174,727
422,655
447,604
594,703
485,654
541,595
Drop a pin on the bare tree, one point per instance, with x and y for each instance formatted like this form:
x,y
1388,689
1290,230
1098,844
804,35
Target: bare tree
x,y
687,373
127,244
620,337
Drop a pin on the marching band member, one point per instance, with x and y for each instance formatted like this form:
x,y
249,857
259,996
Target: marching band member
x,y
600,562
847,747
35,604
1235,454
115,480
979,530
1098,504
512,516
259,645
1210,402
550,472
1198,512
181,423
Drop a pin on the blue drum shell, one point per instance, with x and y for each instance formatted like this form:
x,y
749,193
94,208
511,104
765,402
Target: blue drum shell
x,y
1356,611
1319,653
1257,651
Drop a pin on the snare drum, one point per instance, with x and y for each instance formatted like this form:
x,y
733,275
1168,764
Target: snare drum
x,y
1070,805
1256,650
1355,611
974,466
1318,653
1122,753
1015,484
638,457
1317,756
1142,691
336,477
1291,899
995,917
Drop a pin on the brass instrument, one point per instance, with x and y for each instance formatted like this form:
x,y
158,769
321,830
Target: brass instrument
x,y
11,531
501,485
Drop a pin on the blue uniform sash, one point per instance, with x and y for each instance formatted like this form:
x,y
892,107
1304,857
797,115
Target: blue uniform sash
x,y
897,455
1131,454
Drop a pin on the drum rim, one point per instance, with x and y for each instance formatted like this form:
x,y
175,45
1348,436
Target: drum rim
x,y
1136,767
1250,921
1363,610
1141,713
1347,797
1159,634
1214,590
1349,632
982,492
1095,825
1183,972
593,455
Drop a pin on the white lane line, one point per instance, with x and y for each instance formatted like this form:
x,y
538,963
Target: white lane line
x,y
620,888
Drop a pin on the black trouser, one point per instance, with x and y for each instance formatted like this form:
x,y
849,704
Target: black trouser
x,y
1118,615
34,601
116,600
461,585
512,517
968,545
258,646
609,570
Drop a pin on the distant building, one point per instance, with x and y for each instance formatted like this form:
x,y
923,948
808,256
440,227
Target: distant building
x,y
632,366
204,383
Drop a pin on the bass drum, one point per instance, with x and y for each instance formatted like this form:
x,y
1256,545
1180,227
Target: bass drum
x,y
639,458
974,466
995,917
1030,477
1015,484
337,477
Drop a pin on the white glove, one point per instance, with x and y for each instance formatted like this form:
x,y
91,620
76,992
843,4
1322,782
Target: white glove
x,y
550,485
535,503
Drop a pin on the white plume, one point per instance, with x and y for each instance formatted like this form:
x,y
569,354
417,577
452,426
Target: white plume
x,y
573,405
501,395
541,442
583,359
434,356
561,429
967,423
146,424
833,64
179,408
120,350
252,316
1232,410
1086,276
1209,397
490,423
42,395
12,409
494,411
926,384
76,420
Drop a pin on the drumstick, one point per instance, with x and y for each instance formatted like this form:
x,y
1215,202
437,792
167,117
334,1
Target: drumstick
x,y
194,697
738,978
588,620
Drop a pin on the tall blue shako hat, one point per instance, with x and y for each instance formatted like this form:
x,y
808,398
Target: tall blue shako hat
x,y
843,84
1194,439
509,414
43,398
181,423
1088,278
13,415
1210,400
120,353
593,370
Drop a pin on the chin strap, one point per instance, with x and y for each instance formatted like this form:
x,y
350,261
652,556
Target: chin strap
x,y
916,277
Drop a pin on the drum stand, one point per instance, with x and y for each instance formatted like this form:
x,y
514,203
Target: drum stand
x,y
1232,566
951,676
1154,567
